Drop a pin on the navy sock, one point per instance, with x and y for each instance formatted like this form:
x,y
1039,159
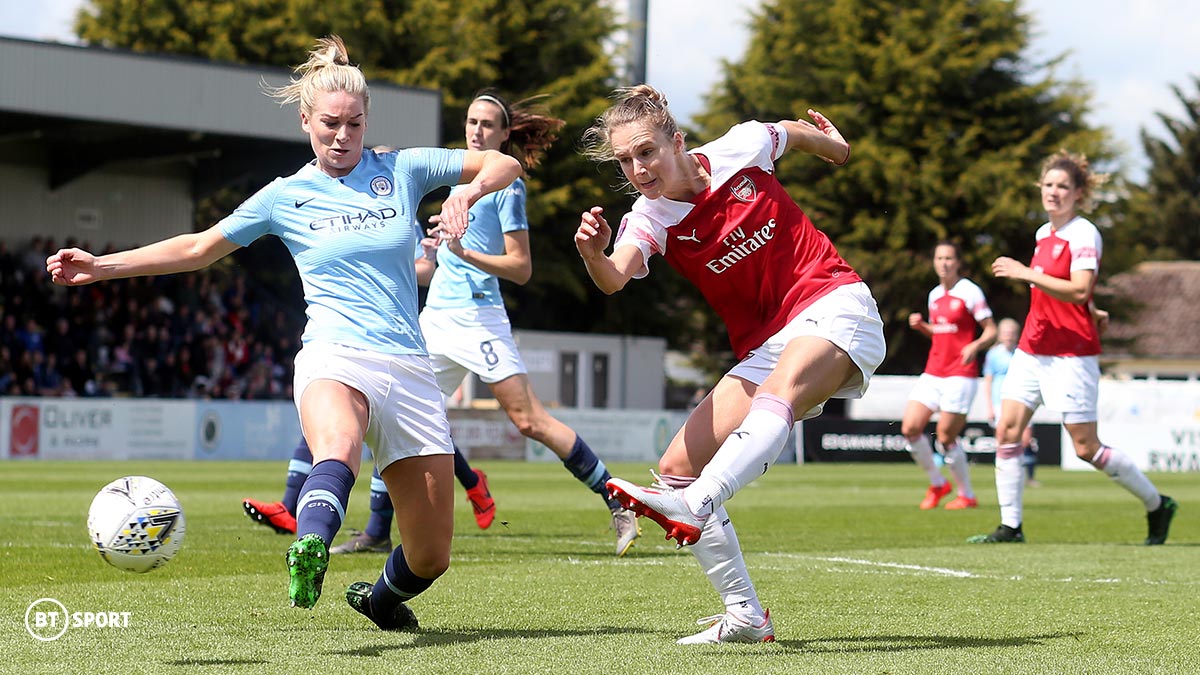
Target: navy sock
x,y
590,470
379,525
462,471
322,504
298,469
397,584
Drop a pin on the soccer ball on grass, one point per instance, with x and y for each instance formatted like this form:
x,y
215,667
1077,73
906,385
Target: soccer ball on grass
x,y
136,523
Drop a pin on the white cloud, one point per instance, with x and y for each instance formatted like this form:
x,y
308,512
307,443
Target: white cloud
x,y
48,20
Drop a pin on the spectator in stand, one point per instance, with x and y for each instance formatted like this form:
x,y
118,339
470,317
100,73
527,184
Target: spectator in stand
x,y
7,377
59,342
79,374
9,337
46,377
31,336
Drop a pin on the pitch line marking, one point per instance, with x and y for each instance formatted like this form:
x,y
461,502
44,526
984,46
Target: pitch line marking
x,y
964,574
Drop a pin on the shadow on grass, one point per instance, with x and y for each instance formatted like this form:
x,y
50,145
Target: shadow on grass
x,y
432,638
214,662
904,643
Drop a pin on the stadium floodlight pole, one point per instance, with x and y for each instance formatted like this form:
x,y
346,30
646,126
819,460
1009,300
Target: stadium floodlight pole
x,y
635,67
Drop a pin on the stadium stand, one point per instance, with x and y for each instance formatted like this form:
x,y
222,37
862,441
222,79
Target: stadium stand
x,y
210,334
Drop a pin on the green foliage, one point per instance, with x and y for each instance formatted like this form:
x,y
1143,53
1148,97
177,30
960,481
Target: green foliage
x,y
521,47
1165,213
858,580
948,119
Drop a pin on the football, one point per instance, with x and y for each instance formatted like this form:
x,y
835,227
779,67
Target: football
x,y
136,523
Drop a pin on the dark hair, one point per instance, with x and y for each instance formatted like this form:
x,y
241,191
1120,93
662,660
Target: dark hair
x,y
952,244
531,129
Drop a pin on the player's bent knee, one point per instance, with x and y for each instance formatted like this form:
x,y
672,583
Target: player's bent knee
x,y
428,565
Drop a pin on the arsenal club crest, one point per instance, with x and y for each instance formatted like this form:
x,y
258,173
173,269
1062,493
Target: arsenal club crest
x,y
744,190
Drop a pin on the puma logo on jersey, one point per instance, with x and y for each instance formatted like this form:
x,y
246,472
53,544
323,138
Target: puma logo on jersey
x,y
691,237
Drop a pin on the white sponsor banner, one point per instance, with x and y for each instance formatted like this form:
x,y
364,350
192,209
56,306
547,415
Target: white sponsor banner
x,y
245,429
1148,401
96,428
887,398
470,433
616,435
1162,446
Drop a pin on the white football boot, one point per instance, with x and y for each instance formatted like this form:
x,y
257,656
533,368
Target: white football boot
x,y
727,628
625,524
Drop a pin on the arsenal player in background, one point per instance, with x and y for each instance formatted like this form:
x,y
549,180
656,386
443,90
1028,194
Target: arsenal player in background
x,y
1056,363
957,308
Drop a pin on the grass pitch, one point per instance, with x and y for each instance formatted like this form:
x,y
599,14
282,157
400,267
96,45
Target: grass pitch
x,y
858,580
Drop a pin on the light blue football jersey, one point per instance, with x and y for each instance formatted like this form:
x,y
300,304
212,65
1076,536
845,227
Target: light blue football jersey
x,y
354,243
996,364
457,283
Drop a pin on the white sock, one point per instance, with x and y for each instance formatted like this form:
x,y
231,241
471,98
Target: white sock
x,y
1126,473
1010,489
922,454
720,556
956,459
749,451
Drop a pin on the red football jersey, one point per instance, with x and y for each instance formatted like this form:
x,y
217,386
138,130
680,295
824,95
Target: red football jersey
x,y
1055,327
953,317
755,256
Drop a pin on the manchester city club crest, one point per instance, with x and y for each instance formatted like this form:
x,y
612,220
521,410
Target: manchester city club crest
x,y
381,185
744,190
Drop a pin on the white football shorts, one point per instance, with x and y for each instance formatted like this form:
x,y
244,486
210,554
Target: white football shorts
x,y
1066,384
408,412
470,340
947,394
847,317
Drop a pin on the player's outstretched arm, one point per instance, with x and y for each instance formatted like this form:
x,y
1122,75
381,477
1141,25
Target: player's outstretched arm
x,y
182,253
821,139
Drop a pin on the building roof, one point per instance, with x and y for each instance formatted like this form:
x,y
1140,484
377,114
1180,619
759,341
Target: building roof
x,y
186,94
77,108
1161,323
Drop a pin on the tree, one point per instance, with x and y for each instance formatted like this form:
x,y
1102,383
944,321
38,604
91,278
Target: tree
x,y
522,47
948,120
1165,214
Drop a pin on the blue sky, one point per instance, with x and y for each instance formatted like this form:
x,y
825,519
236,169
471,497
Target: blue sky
x,y
1130,51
